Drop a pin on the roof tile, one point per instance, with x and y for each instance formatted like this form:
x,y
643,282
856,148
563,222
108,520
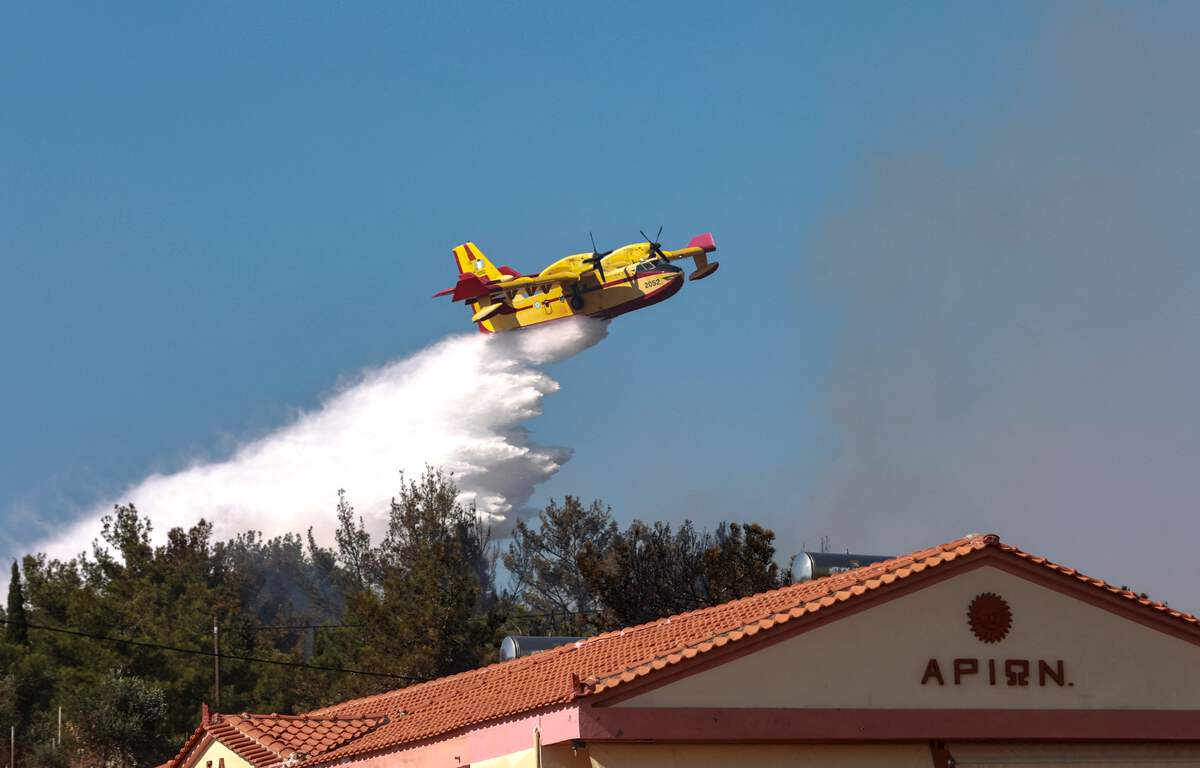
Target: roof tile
x,y
560,675
264,740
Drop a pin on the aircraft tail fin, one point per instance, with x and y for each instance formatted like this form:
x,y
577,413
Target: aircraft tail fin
x,y
470,261
704,242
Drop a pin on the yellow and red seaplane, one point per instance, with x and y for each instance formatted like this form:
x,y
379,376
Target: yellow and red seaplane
x,y
599,284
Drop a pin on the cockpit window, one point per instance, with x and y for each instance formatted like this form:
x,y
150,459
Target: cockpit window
x,y
647,266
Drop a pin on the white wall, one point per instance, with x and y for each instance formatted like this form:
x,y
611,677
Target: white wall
x,y
876,658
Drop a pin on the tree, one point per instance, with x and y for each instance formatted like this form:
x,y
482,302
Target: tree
x,y
16,630
10,711
651,571
420,602
354,554
740,562
45,753
121,722
431,613
25,692
544,563
168,594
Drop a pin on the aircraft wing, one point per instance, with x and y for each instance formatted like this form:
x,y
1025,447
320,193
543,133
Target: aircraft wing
x,y
534,281
470,287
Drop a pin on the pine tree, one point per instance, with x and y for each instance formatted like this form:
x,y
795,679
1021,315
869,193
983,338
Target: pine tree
x,y
430,617
543,560
15,630
651,571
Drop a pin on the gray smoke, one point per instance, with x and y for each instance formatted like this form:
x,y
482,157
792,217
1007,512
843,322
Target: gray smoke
x,y
1020,349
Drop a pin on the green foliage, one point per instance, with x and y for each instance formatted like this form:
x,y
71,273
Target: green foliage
x,y
121,722
354,553
419,603
46,753
651,571
544,564
740,562
427,609
25,691
169,595
15,630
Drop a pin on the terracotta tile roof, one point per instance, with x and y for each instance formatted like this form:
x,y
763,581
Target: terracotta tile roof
x,y
604,662
267,740
600,663
303,736
1122,592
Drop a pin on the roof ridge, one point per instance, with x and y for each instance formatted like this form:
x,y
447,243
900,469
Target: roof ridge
x,y
260,730
832,586
984,539
1138,597
238,739
976,542
546,655
438,711
246,720
308,716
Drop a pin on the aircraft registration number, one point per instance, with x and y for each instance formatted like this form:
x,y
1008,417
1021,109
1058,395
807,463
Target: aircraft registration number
x,y
653,283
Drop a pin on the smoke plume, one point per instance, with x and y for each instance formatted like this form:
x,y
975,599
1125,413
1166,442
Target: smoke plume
x,y
459,404
1020,350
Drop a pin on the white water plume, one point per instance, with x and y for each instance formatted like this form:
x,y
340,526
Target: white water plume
x,y
459,404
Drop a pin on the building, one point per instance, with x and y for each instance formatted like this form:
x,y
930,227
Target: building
x,y
969,653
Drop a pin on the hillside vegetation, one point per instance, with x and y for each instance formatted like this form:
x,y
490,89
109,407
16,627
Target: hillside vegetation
x,y
121,638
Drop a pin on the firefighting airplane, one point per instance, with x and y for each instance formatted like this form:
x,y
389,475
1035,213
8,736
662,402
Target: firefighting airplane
x,y
598,284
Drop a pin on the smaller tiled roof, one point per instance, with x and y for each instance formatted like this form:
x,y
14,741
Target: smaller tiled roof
x,y
268,740
301,736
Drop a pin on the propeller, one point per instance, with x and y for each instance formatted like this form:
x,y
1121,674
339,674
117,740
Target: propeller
x,y
655,245
596,257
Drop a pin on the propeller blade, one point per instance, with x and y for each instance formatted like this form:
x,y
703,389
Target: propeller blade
x,y
595,260
655,245
596,257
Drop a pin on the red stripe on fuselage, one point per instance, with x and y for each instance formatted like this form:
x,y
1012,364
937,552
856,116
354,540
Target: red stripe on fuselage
x,y
648,299
645,300
631,280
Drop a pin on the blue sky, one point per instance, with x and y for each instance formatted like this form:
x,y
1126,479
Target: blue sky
x,y
213,214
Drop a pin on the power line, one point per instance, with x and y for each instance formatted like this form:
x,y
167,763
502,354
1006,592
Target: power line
x,y
552,614
250,627
210,654
266,627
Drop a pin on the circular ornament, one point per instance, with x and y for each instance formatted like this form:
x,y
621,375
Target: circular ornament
x,y
990,617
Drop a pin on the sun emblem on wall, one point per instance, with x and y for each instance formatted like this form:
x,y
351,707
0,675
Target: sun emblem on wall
x,y
990,617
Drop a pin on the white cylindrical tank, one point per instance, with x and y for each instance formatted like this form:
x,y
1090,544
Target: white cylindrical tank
x,y
816,565
515,646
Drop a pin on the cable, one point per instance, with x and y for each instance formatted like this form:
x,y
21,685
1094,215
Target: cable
x,y
514,616
265,627
210,654
257,627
